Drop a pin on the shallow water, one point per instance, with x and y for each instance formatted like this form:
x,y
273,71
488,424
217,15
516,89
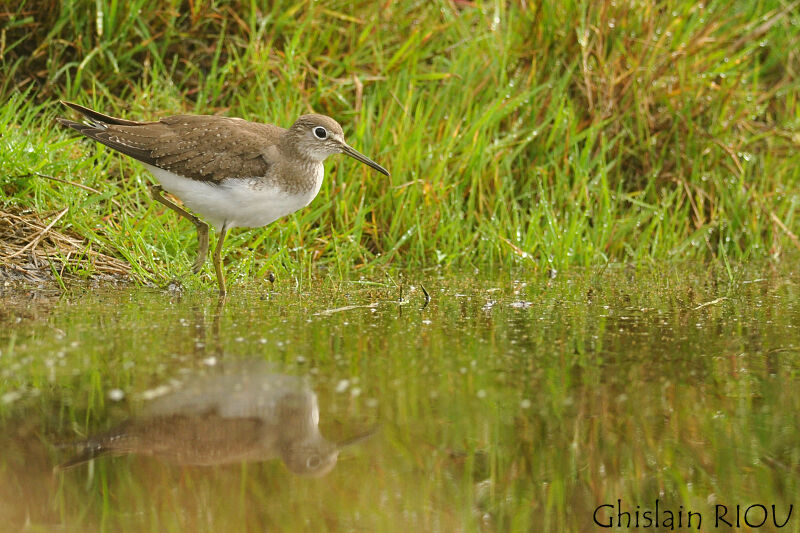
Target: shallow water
x,y
511,402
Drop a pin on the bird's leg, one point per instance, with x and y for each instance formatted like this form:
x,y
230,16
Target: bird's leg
x,y
218,259
202,227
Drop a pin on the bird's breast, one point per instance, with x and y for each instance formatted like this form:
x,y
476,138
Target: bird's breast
x,y
260,201
243,202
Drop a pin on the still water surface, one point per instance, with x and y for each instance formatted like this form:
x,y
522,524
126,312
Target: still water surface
x,y
510,402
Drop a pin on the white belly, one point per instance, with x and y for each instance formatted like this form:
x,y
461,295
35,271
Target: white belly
x,y
245,203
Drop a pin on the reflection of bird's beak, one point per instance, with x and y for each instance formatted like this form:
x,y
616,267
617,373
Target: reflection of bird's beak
x,y
357,439
358,156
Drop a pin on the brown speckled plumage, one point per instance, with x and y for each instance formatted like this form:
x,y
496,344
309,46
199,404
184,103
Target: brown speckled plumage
x,y
200,147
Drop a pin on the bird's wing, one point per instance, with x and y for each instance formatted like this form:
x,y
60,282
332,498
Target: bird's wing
x,y
200,147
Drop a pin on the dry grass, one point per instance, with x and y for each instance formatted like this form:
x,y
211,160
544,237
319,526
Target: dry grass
x,y
33,249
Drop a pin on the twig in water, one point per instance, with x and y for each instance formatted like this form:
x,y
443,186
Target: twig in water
x,y
328,312
427,297
712,302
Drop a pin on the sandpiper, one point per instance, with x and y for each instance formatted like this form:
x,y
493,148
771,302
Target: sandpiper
x,y
241,415
232,172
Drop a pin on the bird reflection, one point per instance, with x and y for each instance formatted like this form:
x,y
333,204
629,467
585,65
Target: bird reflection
x,y
246,415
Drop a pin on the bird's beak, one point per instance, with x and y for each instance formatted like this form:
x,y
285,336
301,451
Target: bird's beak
x,y
358,156
357,439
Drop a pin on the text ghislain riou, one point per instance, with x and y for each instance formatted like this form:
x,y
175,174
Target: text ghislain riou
x,y
755,515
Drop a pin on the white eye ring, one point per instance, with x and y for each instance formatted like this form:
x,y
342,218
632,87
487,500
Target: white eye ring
x,y
320,132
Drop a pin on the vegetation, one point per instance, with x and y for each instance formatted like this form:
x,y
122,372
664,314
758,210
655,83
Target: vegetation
x,y
518,133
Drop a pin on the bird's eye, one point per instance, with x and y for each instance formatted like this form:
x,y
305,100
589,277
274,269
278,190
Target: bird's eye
x,y
320,132
315,460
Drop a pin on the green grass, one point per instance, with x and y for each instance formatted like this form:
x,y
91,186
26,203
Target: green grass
x,y
552,135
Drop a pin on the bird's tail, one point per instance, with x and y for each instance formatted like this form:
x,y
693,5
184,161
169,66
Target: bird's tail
x,y
88,450
98,120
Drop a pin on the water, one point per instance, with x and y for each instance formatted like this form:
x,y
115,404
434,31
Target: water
x,y
511,402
